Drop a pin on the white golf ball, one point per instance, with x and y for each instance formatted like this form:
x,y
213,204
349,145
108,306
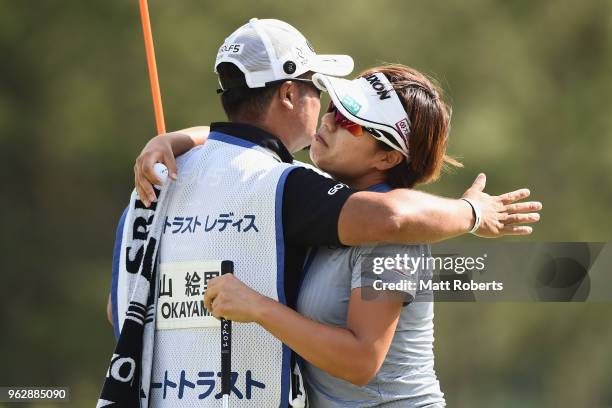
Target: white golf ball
x,y
161,171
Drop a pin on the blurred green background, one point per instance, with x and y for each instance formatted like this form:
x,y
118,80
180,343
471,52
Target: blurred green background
x,y
530,85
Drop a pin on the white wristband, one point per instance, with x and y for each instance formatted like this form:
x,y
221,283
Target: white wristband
x,y
477,214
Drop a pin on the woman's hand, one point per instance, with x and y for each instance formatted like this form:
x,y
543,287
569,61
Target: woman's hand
x,y
501,214
163,149
157,150
227,297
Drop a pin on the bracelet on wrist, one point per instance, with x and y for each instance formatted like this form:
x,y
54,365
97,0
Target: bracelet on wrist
x,y
477,214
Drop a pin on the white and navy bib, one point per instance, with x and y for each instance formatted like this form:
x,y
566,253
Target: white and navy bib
x,y
227,205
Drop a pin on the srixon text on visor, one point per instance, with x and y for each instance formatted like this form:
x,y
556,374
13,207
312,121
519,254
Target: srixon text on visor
x,y
378,86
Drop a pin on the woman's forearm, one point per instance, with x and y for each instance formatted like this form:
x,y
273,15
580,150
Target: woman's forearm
x,y
335,350
184,140
198,134
428,218
402,216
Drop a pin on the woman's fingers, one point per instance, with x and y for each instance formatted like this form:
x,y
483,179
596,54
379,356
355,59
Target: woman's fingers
x,y
148,173
144,190
208,299
215,310
145,177
170,162
521,218
212,290
139,190
529,206
516,195
516,230
148,192
480,182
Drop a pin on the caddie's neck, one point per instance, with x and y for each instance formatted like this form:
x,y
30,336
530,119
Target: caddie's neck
x,y
282,131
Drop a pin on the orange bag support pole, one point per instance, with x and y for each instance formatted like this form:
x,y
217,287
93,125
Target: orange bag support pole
x,y
150,51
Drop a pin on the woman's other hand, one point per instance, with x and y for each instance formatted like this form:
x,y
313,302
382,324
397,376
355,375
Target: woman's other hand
x,y
163,149
227,297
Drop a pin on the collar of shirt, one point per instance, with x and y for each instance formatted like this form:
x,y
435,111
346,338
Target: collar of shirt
x,y
379,188
255,135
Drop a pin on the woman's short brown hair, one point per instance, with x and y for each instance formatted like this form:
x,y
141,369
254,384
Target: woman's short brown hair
x,y
429,117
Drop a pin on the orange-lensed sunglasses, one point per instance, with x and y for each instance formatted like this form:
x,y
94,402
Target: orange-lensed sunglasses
x,y
341,120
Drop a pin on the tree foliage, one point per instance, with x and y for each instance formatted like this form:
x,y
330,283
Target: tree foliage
x,y
529,83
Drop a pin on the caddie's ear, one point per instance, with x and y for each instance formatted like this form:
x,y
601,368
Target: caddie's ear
x,y
288,93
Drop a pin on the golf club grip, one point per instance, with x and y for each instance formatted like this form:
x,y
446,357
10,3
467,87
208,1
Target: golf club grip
x,y
226,340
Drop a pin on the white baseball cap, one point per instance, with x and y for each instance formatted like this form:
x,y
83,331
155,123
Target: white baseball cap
x,y
271,50
371,102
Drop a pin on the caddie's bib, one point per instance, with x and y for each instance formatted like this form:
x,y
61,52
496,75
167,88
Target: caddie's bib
x,y
227,205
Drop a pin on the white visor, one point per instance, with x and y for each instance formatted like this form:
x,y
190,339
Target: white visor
x,y
371,102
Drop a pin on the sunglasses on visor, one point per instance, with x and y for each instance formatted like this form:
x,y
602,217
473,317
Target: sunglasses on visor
x,y
355,128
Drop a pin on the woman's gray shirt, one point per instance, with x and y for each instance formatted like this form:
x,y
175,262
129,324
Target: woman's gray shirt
x,y
407,377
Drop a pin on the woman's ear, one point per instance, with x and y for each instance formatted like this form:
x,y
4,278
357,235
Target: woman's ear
x,y
388,159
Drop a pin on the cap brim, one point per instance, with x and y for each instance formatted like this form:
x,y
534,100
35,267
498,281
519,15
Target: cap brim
x,y
336,65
